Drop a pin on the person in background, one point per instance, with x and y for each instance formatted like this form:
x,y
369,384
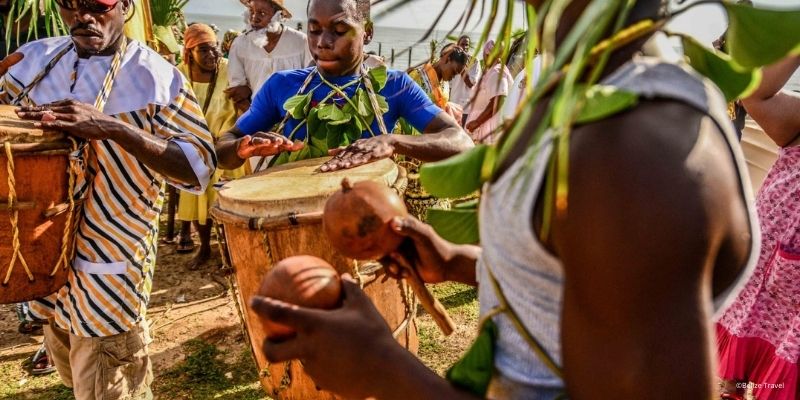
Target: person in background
x,y
758,336
520,86
461,85
206,70
432,77
485,113
268,47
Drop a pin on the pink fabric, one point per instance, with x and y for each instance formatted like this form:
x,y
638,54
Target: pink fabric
x,y
759,334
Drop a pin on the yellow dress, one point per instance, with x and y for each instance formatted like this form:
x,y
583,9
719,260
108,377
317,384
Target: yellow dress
x,y
221,117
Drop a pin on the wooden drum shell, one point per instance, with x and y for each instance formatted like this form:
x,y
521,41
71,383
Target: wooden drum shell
x,y
255,245
41,172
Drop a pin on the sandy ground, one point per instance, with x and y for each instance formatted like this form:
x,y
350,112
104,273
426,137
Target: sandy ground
x,y
198,350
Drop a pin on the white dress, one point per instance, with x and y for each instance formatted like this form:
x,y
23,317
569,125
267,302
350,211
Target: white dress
x,y
496,81
251,65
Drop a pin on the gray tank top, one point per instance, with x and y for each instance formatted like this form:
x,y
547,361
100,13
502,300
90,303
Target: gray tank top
x,y
529,275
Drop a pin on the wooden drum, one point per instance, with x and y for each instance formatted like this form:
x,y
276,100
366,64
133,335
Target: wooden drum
x,y
36,228
277,214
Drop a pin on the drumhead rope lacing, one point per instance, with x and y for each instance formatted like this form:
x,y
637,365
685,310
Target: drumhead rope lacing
x,y
16,251
63,259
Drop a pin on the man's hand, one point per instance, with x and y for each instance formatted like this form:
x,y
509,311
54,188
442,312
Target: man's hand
x,y
357,332
472,125
424,250
9,62
361,152
264,144
76,118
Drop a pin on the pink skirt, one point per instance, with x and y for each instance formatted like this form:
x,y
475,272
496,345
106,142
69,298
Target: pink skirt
x,y
752,361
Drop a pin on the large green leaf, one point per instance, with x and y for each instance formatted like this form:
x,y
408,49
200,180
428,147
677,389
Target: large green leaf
x,y
760,36
474,371
456,176
733,80
603,101
330,112
379,76
456,225
298,105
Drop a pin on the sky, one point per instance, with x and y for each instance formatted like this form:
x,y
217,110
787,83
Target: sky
x,y
705,22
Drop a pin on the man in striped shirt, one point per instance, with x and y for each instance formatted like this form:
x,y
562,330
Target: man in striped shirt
x,y
142,127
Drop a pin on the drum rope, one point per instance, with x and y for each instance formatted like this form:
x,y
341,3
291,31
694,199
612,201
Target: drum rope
x,y
16,251
63,259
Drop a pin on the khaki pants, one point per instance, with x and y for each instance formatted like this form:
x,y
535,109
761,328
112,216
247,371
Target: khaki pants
x,y
102,368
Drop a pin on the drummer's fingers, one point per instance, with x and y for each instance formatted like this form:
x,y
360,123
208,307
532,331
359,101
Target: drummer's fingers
x,y
392,269
411,227
336,151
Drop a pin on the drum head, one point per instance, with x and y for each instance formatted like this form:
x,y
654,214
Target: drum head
x,y
296,187
17,131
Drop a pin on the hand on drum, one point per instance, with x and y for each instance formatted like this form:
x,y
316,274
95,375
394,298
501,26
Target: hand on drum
x,y
265,144
338,348
71,116
9,62
361,152
423,250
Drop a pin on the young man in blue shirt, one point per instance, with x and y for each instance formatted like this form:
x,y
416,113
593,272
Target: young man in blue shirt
x,y
337,33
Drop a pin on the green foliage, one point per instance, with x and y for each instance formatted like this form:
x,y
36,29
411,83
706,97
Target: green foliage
x,y
760,36
734,81
458,225
330,126
604,101
475,370
166,12
35,12
456,176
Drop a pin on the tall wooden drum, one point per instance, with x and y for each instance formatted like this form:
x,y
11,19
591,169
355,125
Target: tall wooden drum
x,y
36,214
277,214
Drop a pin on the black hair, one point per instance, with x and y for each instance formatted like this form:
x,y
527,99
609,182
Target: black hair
x,y
446,49
458,55
362,8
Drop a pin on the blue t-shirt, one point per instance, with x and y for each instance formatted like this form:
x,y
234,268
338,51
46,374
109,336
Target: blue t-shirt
x,y
406,100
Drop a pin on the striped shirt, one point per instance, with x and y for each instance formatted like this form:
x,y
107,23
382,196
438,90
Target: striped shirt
x,y
111,276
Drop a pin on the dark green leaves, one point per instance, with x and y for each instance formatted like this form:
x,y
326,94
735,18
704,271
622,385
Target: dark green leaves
x,y
604,101
474,371
758,36
456,176
734,80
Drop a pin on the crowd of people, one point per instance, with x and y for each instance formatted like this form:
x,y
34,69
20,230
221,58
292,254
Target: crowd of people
x,y
652,286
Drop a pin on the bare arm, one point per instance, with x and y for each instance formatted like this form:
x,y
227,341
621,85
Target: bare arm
x,y
442,138
226,149
491,109
83,120
234,147
638,244
776,110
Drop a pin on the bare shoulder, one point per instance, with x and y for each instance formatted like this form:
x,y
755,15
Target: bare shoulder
x,y
659,179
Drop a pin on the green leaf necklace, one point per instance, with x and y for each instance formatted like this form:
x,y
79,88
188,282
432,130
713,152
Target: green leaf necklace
x,y
328,125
